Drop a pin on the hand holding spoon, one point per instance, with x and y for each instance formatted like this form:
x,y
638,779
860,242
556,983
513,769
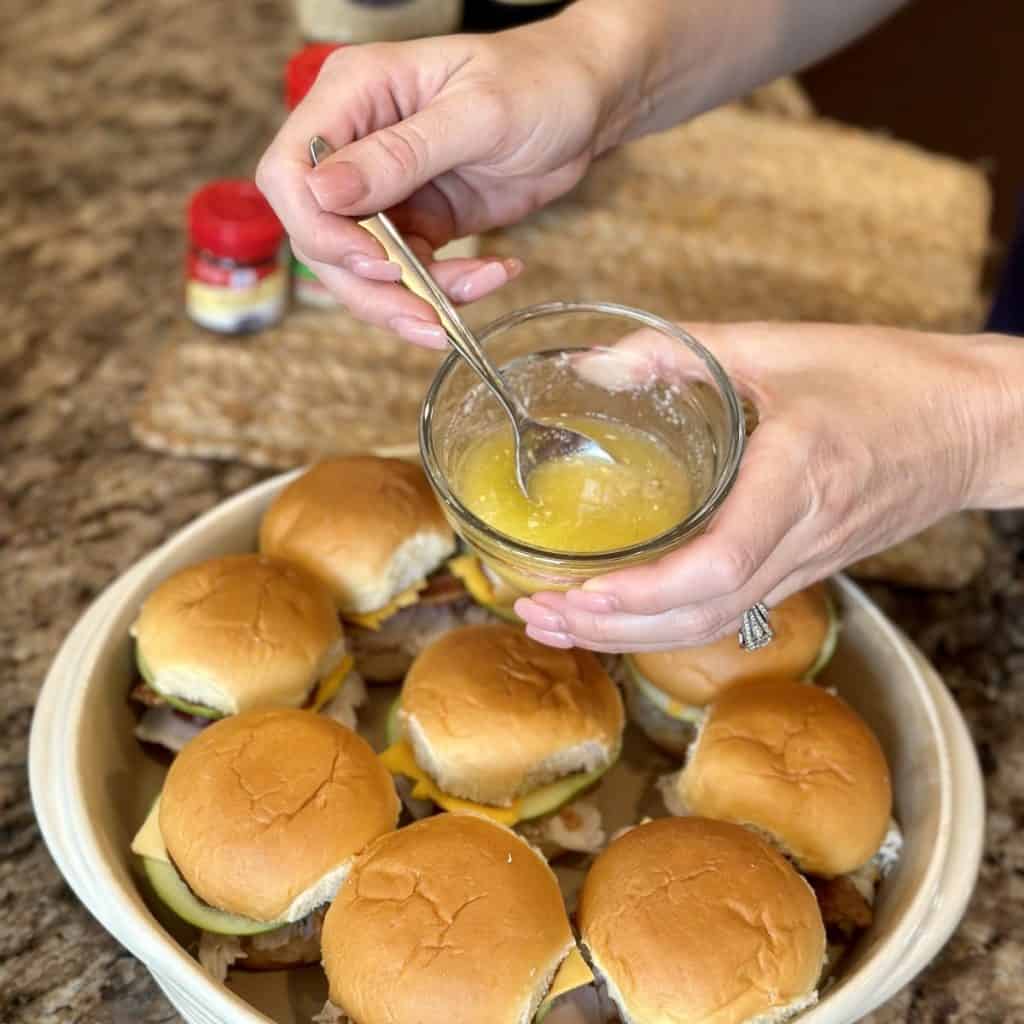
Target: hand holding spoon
x,y
535,442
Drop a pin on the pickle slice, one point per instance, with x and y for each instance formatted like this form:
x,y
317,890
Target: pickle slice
x,y
173,891
392,730
828,645
554,795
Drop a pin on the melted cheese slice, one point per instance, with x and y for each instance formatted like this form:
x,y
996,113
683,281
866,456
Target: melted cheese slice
x,y
467,568
399,760
330,686
374,620
574,973
148,841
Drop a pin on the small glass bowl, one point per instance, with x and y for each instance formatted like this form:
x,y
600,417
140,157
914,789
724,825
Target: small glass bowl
x,y
595,359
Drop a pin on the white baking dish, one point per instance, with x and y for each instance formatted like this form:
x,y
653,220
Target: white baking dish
x,y
91,786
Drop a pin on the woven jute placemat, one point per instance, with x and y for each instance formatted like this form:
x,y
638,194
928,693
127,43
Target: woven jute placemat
x,y
320,383
757,211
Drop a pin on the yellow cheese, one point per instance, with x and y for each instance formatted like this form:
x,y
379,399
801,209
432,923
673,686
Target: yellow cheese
x,y
574,973
374,620
148,841
399,760
468,569
329,687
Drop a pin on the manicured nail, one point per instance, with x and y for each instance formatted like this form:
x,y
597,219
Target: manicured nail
x,y
370,268
479,282
337,185
550,639
592,602
419,332
550,622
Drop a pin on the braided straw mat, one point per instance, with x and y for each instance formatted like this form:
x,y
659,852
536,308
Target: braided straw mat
x,y
756,211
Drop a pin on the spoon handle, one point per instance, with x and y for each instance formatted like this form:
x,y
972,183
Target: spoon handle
x,y
417,279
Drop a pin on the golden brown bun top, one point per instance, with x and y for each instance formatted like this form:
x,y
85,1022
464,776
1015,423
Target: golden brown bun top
x,y
499,713
799,764
238,632
452,919
700,922
695,676
368,527
260,807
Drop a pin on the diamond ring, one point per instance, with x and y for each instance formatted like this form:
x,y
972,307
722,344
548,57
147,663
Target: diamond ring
x,y
755,629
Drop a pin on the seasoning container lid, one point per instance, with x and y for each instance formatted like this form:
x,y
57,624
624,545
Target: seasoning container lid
x,y
231,219
303,67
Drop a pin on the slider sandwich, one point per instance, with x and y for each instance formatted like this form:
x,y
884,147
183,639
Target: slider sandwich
x,y
233,634
667,692
801,767
493,723
258,823
453,920
696,921
372,531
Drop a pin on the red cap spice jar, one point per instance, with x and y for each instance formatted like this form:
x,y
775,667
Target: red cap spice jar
x,y
300,74
236,273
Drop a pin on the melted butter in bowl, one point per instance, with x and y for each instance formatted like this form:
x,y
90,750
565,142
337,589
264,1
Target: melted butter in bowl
x,y
579,505
642,387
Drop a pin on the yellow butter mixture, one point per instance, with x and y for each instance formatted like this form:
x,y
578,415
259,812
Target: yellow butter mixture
x,y
579,505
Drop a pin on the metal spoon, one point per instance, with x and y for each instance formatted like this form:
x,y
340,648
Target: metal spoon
x,y
535,442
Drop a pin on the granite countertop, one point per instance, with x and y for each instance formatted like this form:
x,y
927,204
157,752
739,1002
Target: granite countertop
x,y
113,113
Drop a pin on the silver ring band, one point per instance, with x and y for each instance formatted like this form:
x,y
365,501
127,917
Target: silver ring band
x,y
755,629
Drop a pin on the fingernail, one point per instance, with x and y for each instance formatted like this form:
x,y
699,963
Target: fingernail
x,y
513,267
549,621
550,639
478,282
370,268
592,602
337,185
419,332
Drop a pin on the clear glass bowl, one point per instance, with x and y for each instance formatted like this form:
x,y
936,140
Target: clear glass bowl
x,y
593,359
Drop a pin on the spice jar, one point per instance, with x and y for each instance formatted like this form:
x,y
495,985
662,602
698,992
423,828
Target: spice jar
x,y
300,74
237,266
367,21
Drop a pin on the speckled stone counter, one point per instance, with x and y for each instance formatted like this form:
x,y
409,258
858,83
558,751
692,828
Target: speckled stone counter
x,y
112,114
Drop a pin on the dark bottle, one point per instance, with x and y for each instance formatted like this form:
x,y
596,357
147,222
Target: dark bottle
x,y
493,15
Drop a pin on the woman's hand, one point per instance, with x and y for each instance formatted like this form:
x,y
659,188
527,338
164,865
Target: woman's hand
x,y
452,136
866,436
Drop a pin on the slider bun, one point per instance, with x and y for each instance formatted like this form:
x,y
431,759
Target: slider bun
x,y
239,632
799,765
263,812
701,922
452,919
368,527
492,714
697,675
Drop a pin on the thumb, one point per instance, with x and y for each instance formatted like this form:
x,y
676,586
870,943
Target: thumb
x,y
385,168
